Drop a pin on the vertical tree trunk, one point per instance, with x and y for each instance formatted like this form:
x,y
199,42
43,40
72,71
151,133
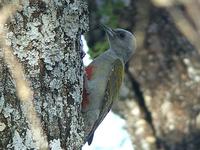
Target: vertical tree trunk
x,y
45,38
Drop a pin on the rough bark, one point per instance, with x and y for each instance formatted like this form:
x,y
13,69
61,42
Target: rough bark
x,y
45,38
160,99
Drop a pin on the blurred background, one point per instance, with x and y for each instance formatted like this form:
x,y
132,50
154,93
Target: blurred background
x,y
160,97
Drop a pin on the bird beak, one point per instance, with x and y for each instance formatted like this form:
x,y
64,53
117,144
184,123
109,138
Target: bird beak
x,y
110,32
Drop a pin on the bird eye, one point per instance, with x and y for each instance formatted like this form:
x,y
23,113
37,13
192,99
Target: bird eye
x,y
121,35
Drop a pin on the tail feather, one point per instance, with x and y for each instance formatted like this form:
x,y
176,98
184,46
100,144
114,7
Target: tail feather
x,y
90,138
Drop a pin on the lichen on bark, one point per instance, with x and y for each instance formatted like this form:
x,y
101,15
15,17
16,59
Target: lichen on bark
x,y
45,38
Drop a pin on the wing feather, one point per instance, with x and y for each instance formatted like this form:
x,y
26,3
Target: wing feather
x,y
111,93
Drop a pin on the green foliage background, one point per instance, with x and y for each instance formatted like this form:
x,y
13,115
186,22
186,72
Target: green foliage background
x,y
109,12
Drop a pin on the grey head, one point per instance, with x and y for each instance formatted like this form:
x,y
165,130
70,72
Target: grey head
x,y
122,42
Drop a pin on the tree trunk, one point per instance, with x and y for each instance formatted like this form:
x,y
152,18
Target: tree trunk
x,y
160,99
45,38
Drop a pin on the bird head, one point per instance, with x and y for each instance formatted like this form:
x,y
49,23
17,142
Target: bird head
x,y
121,41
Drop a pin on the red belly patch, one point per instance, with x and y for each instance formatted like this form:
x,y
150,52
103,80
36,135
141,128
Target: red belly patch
x,y
89,71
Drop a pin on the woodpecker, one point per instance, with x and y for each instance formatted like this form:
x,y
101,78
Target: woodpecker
x,y
103,78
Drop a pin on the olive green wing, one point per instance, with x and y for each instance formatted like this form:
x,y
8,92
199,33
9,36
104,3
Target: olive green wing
x,y
111,93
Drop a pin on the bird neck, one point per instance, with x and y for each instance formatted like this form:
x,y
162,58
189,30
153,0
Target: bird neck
x,y
114,54
124,57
